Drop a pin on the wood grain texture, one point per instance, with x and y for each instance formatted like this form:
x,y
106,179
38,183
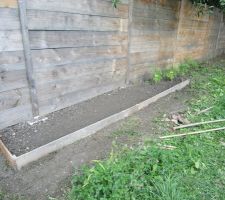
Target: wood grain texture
x,y
11,60
49,58
12,80
13,98
11,41
71,98
93,7
62,39
88,76
27,57
9,19
15,115
44,20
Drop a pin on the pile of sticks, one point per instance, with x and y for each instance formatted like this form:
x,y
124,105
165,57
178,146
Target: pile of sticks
x,y
196,132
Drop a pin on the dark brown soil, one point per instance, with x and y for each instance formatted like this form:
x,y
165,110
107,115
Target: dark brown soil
x,y
51,175
23,138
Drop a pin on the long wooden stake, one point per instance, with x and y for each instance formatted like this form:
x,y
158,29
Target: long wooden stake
x,y
27,56
198,124
192,133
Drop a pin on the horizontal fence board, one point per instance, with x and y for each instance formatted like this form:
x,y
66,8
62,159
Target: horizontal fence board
x,y
15,115
112,72
69,99
60,88
62,39
11,41
53,57
44,20
143,57
90,7
144,47
81,71
13,60
14,98
12,80
9,19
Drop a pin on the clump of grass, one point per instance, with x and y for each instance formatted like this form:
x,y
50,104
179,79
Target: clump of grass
x,y
195,169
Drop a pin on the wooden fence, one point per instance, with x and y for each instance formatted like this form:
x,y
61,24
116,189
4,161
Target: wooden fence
x,y
54,54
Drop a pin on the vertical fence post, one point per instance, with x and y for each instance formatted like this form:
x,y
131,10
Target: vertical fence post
x,y
130,19
180,15
27,57
218,37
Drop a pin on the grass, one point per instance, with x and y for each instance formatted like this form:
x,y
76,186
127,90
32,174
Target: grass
x,y
194,170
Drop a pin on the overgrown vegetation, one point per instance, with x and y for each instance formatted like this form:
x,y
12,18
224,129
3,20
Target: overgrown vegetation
x,y
204,5
174,72
195,169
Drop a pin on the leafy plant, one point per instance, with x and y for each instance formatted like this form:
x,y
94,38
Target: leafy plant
x,y
207,6
115,3
157,76
170,74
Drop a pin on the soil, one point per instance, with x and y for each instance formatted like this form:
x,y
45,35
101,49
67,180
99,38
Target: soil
x,y
23,137
51,175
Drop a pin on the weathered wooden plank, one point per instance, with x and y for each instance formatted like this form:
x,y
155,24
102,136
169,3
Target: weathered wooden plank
x,y
44,20
77,71
8,4
144,57
27,55
14,98
53,57
6,153
11,41
82,80
61,88
59,39
71,98
13,60
49,96
15,115
144,47
10,80
155,36
9,19
93,7
154,25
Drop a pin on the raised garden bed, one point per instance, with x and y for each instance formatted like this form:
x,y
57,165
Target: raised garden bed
x,y
22,143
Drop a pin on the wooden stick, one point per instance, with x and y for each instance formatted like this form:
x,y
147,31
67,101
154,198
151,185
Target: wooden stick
x,y
192,133
205,110
197,124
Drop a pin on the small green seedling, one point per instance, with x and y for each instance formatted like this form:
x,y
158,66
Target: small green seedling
x,y
170,74
157,76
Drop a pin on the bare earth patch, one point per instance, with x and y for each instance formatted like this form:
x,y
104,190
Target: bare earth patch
x,y
50,175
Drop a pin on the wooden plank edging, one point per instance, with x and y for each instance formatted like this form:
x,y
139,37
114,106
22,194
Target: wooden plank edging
x,y
64,141
9,157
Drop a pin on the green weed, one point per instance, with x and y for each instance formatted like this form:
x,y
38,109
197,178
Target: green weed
x,y
174,72
157,76
195,169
